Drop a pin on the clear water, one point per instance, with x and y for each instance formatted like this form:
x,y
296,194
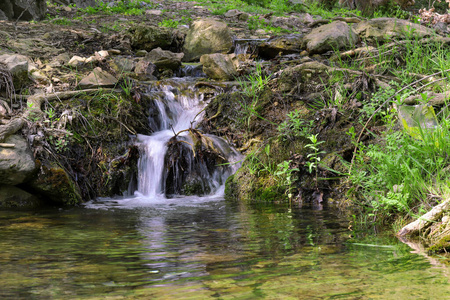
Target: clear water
x,y
204,248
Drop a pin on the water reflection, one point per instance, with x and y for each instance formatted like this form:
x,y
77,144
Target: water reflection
x,y
204,248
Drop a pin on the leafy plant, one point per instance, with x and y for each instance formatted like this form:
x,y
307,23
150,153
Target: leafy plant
x,y
314,157
284,175
295,126
250,89
170,23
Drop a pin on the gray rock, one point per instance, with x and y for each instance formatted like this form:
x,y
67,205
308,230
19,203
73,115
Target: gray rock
x,y
164,59
220,66
144,70
207,36
287,44
18,66
292,22
17,164
123,64
3,16
25,9
97,78
386,28
13,197
151,37
334,36
59,60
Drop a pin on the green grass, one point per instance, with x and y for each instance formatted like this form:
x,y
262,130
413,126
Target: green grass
x,y
125,7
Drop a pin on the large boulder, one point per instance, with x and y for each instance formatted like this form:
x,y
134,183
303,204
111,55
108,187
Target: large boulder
x,y
164,59
286,44
387,28
334,36
98,78
220,66
13,197
17,163
25,9
17,65
207,36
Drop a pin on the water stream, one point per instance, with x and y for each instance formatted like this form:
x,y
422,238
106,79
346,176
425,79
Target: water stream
x,y
204,248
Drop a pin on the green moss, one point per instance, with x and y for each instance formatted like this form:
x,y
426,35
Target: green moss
x,y
441,245
56,185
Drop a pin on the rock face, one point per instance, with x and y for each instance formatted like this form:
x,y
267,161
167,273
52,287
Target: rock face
x,y
333,36
17,65
287,44
27,10
97,78
164,59
386,28
13,197
220,66
17,164
207,36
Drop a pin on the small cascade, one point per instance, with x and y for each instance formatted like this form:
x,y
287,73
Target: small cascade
x,y
168,164
246,46
190,70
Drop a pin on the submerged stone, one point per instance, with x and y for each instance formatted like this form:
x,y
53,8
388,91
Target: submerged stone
x,y
13,197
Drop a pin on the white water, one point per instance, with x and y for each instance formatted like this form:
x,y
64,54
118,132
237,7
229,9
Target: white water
x,y
179,105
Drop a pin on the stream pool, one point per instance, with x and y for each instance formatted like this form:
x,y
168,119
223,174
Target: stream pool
x,y
204,248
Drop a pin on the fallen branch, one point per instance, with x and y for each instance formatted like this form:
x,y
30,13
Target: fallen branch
x,y
424,221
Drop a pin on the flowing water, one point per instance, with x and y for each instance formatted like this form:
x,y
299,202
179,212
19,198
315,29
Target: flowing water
x,y
204,248
149,246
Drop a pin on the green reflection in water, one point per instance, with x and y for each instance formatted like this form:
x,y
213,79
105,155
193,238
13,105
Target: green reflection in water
x,y
201,251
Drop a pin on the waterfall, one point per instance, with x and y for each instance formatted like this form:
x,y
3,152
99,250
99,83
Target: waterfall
x,y
178,106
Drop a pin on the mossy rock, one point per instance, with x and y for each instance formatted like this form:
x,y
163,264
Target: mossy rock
x,y
55,185
442,245
151,37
